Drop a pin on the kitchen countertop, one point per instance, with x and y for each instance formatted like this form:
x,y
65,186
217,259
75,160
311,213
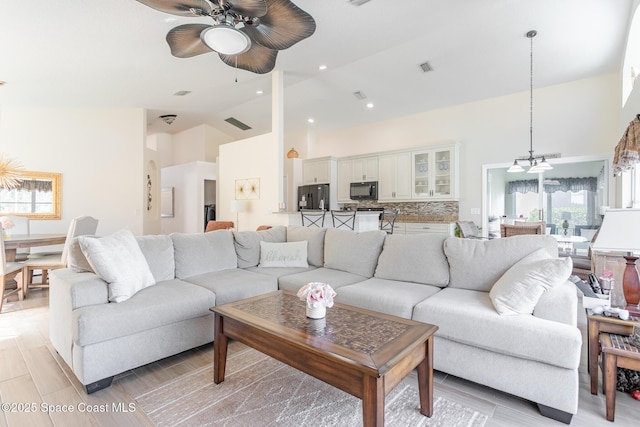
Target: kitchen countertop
x,y
401,218
426,218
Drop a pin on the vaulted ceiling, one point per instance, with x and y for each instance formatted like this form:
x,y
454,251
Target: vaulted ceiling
x,y
78,53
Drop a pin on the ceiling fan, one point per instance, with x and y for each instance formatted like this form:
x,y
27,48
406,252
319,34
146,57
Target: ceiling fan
x,y
246,34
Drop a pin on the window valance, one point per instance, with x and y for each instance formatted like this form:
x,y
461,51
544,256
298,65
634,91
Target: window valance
x,y
552,185
34,184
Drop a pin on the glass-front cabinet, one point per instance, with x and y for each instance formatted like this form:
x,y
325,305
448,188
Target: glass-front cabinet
x,y
434,174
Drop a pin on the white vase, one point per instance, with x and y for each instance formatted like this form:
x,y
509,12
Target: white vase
x,y
316,312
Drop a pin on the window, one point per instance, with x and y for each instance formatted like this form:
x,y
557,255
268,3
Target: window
x,y
37,196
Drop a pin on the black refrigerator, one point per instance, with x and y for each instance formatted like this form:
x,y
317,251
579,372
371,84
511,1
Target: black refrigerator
x,y
313,197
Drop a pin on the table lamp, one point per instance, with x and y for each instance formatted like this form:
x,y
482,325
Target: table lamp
x,y
566,216
620,232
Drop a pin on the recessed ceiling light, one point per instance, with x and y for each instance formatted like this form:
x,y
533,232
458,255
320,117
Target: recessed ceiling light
x,y
370,105
322,67
259,92
310,120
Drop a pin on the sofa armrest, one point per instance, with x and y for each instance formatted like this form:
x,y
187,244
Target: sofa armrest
x,y
82,288
68,291
560,304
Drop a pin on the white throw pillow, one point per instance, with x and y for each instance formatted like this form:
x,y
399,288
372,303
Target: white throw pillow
x,y
119,261
520,288
290,254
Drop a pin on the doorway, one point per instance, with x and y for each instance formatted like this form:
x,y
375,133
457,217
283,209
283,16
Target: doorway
x,y
570,198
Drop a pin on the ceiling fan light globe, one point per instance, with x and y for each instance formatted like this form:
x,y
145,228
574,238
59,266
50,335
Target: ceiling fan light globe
x,y
226,39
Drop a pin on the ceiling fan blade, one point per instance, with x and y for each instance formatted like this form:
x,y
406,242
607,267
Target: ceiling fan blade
x,y
180,7
284,25
256,8
258,59
184,40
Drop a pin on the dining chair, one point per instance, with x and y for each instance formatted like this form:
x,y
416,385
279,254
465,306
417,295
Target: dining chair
x,y
312,218
218,225
10,271
518,228
346,219
80,226
20,226
388,220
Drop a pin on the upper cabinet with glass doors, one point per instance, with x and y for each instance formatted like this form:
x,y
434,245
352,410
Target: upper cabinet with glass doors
x,y
434,173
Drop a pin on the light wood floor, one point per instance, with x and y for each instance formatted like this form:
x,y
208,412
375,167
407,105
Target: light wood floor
x,y
32,372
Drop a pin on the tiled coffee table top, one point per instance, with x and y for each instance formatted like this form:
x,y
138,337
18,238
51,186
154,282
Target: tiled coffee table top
x,y
355,330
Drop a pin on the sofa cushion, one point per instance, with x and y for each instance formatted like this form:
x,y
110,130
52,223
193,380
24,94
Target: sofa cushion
x,y
314,237
352,251
247,243
236,284
468,317
118,260
164,303
520,288
417,258
478,264
286,254
199,253
335,278
386,296
158,251
279,271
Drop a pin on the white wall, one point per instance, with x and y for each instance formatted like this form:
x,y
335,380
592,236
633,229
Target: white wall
x,y
99,152
188,182
256,157
198,144
576,118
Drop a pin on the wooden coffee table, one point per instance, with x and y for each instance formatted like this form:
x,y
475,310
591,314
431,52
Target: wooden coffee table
x,y
361,352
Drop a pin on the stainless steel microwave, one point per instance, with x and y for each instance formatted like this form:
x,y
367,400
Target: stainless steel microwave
x,y
364,190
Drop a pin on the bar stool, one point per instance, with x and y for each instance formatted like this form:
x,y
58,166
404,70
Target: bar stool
x,y
388,220
344,219
312,218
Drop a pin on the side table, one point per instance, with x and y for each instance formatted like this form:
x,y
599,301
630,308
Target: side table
x,y
596,324
617,352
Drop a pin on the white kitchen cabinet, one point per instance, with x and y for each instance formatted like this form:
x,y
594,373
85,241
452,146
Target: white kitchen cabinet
x,y
434,173
344,181
318,171
364,169
430,227
394,177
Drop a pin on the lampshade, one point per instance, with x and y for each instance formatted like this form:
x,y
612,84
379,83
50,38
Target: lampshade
x,y
239,205
620,231
225,39
292,154
566,215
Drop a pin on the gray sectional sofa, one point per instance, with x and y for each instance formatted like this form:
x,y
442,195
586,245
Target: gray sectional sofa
x,y
446,281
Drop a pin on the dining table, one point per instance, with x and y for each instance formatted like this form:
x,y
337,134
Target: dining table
x,y
18,241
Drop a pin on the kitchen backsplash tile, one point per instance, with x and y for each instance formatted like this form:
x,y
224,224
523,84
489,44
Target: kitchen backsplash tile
x,y
431,211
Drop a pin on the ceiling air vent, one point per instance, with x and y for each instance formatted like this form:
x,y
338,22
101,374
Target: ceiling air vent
x,y
426,67
359,95
237,123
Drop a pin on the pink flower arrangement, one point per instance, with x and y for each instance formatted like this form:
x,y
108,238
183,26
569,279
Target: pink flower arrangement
x,y
317,294
7,223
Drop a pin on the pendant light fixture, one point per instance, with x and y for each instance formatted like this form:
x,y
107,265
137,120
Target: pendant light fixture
x,y
533,160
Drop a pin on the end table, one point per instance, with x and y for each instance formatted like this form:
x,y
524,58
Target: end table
x,y
617,352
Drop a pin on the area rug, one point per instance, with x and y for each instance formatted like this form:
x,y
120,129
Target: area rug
x,y
260,391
